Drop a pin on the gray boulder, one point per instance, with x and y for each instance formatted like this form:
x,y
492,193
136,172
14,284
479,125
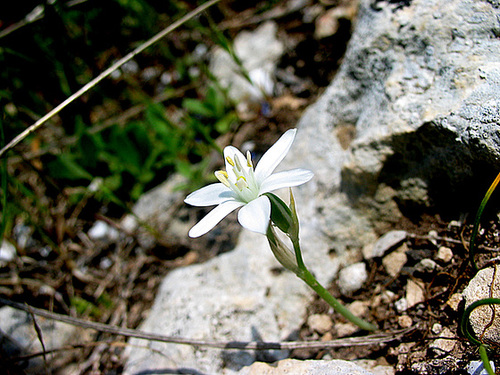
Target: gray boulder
x,y
411,121
19,337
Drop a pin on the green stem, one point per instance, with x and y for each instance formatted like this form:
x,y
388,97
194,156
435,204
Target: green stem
x,y
464,324
486,362
310,280
472,245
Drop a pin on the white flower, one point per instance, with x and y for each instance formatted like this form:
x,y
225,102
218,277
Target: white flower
x,y
242,186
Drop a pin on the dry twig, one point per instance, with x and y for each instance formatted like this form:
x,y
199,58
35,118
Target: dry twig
x,y
378,338
105,74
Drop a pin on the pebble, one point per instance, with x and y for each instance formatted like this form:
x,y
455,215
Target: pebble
x,y
352,278
433,236
454,301
443,344
7,253
345,329
444,254
426,266
484,321
384,244
405,321
401,305
414,293
329,23
320,323
394,262
103,231
388,296
477,368
436,328
359,308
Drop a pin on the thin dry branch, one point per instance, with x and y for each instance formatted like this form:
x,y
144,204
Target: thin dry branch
x,y
36,14
380,338
106,73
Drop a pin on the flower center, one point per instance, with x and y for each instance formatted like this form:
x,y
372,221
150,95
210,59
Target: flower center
x,y
242,180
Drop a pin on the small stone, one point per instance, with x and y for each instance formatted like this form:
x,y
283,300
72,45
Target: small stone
x,y
327,337
359,308
394,262
414,293
352,278
129,223
7,252
401,305
436,328
454,301
376,367
328,23
105,263
385,243
485,319
426,266
103,231
320,323
477,368
444,254
433,236
405,321
445,343
388,296
367,250
345,329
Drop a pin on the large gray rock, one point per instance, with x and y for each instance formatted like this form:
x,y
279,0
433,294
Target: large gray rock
x,y
410,121
19,337
239,296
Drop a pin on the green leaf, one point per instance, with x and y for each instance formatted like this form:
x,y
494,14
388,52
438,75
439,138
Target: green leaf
x,y
65,167
89,148
477,221
216,101
226,122
126,151
197,107
184,168
281,215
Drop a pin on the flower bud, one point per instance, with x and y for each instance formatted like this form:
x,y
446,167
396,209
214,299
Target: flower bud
x,y
281,252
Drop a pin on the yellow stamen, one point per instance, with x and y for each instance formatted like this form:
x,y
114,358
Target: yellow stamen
x,y
249,160
222,177
230,161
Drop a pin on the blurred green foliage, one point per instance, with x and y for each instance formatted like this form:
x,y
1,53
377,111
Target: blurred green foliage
x,y
45,61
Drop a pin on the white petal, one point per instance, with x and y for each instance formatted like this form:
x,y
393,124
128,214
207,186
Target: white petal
x,y
255,215
290,178
210,195
213,218
270,160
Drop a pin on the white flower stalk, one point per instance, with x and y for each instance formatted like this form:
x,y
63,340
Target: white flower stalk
x,y
243,186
